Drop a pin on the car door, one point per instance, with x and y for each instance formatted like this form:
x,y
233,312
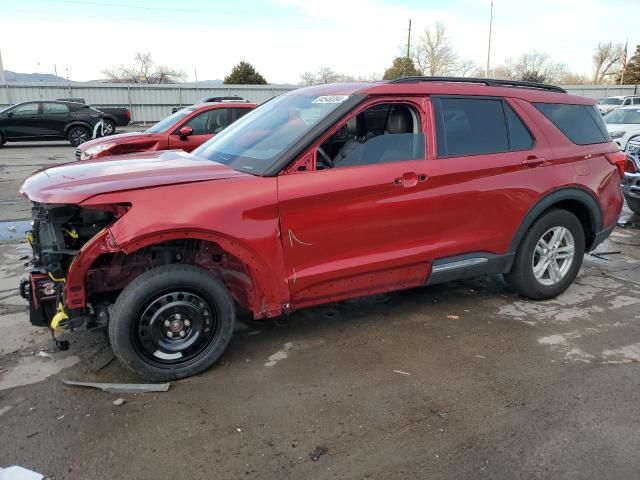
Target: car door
x,y
54,118
204,126
23,121
492,164
355,229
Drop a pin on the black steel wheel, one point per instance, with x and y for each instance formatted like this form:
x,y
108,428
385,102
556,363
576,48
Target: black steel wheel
x,y
78,135
172,322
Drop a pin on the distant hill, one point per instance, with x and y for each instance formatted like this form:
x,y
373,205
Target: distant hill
x,y
32,77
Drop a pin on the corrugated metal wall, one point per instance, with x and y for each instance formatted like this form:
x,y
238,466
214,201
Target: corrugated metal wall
x,y
149,103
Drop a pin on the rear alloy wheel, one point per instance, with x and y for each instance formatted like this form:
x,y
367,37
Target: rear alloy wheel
x,y
78,135
549,257
172,322
108,127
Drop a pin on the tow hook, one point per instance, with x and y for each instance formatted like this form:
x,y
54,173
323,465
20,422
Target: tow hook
x,y
60,320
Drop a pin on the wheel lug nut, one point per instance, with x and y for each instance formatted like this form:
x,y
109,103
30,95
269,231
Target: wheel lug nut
x,y
177,316
182,334
167,323
170,334
187,323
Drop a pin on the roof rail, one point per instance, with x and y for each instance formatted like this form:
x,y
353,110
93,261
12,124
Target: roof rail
x,y
490,82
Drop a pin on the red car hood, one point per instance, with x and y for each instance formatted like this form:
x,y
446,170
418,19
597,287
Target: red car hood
x,y
73,183
119,138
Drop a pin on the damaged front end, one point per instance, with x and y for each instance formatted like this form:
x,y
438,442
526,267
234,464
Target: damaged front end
x,y
60,234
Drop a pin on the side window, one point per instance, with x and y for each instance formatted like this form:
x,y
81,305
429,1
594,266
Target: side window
x,y
49,108
627,101
519,136
469,126
636,101
582,124
380,134
239,113
26,109
211,121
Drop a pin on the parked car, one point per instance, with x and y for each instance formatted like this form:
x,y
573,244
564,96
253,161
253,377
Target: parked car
x,y
185,130
631,180
322,194
605,105
623,123
113,116
233,98
48,120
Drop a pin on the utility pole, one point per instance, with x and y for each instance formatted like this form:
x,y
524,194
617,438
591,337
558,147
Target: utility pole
x,y
2,79
489,46
409,41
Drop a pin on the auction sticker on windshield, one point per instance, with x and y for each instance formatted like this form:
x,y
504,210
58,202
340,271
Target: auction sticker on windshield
x,y
331,99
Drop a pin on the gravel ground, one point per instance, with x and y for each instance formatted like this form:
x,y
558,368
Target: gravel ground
x,y
463,380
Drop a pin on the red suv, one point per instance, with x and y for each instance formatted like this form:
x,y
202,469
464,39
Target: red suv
x,y
319,195
186,129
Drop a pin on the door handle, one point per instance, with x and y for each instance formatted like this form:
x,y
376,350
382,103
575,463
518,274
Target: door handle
x,y
533,161
409,179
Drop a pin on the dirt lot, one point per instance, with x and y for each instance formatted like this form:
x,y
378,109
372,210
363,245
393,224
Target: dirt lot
x,y
463,380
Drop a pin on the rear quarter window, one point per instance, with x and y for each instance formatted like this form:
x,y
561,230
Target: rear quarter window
x,y
582,124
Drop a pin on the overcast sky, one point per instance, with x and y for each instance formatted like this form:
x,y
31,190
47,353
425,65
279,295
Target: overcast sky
x,y
284,38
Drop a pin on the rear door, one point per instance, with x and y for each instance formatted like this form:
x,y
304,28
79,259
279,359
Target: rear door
x,y
55,116
492,165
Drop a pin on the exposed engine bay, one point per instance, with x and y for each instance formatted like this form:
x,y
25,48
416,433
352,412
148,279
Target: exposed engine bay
x,y
58,235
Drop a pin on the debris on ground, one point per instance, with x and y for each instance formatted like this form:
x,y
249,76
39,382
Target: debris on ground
x,y
11,228
401,372
317,453
453,317
119,402
19,473
439,413
122,387
600,255
44,354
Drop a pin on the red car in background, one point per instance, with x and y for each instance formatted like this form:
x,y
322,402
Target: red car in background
x,y
185,129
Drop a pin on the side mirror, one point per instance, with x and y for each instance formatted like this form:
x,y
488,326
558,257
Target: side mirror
x,y
185,131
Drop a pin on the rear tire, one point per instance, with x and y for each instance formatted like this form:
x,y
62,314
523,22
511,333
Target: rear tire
x,y
78,135
172,322
108,128
549,256
2,140
633,203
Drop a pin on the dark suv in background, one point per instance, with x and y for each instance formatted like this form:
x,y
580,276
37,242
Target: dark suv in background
x,y
48,120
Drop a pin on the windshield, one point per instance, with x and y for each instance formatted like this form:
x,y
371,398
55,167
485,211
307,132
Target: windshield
x,y
610,101
623,116
164,124
253,143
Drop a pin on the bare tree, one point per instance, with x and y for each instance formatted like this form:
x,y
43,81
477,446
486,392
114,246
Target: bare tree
x,y
468,68
324,75
606,61
434,55
144,71
533,67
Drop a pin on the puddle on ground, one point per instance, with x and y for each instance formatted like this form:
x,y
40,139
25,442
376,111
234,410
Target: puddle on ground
x,y
14,230
34,369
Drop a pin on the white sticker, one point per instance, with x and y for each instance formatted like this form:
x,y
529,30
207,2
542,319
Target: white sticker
x,y
331,99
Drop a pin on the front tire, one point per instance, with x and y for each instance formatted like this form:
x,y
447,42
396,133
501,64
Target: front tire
x,y
78,135
172,322
549,256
